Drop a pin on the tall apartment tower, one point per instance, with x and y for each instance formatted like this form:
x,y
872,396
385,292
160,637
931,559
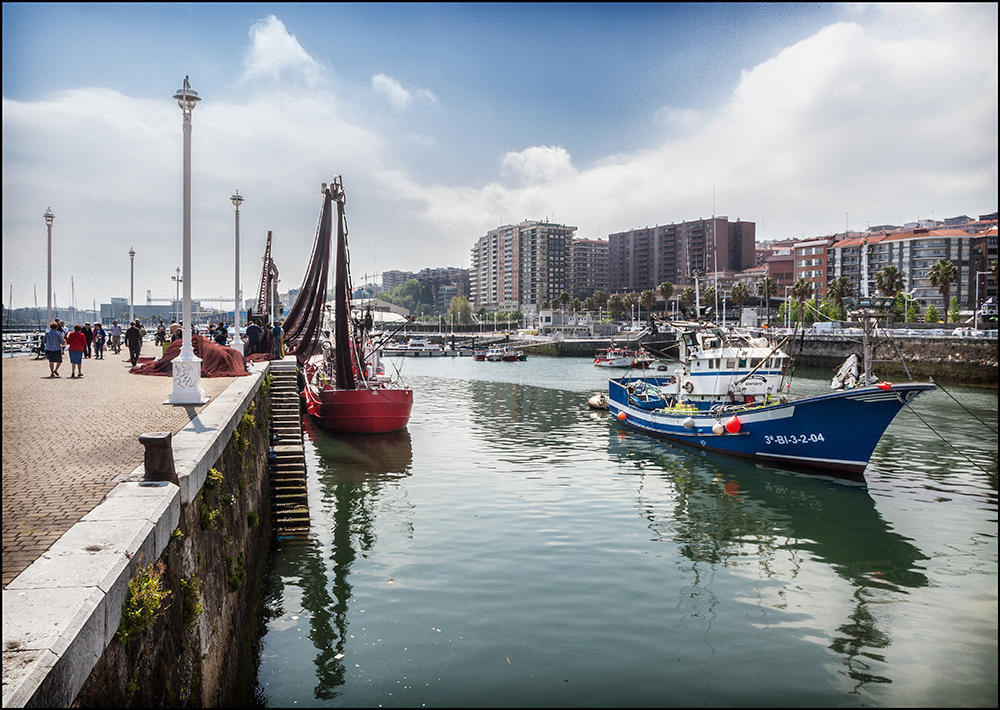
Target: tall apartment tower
x,y
517,266
641,259
588,267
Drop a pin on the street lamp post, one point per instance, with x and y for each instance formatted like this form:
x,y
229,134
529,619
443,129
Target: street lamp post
x,y
788,311
177,291
131,287
975,306
237,343
187,367
49,218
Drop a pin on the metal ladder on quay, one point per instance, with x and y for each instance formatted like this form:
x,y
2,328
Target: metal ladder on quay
x,y
286,460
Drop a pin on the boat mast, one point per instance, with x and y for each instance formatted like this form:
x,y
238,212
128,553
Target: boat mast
x,y
344,364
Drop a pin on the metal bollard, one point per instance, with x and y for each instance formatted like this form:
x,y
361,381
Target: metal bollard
x,y
159,457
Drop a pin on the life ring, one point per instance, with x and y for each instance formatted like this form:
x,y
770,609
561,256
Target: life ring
x,y
689,387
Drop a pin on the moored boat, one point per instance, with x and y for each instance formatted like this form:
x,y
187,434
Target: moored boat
x,y
346,387
728,395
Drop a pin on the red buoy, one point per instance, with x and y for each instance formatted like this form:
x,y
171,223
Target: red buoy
x,y
621,416
733,424
884,385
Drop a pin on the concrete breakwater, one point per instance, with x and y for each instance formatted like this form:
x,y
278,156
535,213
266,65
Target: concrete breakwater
x,y
957,359
146,600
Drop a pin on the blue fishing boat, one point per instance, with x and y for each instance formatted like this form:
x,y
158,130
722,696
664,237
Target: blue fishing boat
x,y
728,394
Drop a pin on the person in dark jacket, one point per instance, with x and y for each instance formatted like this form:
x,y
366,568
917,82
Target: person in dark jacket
x,y
253,334
88,333
221,334
133,339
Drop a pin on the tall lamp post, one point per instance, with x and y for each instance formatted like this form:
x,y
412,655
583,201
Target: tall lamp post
x,y
49,218
177,297
237,343
975,322
187,367
131,287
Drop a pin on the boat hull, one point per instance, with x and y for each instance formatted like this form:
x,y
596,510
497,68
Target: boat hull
x,y
360,411
834,432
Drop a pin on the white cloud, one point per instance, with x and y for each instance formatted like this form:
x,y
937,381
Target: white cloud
x,y
539,164
274,54
678,118
399,97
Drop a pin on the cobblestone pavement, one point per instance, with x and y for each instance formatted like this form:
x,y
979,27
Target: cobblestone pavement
x,y
66,442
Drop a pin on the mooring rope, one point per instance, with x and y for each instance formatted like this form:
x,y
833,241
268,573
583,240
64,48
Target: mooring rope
x,y
910,408
966,408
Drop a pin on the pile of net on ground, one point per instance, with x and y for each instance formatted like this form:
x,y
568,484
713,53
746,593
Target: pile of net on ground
x,y
216,360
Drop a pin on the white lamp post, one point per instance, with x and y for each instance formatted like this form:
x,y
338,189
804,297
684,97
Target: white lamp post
x,y
177,295
49,218
187,367
237,343
975,306
131,287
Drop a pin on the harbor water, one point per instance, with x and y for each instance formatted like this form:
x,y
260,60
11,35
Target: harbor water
x,y
514,548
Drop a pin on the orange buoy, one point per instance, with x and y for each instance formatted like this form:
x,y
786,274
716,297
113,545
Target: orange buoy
x,y
884,385
621,416
733,424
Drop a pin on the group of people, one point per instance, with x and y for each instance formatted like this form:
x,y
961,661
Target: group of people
x,y
86,341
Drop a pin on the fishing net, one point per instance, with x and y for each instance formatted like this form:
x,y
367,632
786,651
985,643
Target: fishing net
x,y
216,360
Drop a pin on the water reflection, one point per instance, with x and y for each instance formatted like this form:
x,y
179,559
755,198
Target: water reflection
x,y
352,470
729,513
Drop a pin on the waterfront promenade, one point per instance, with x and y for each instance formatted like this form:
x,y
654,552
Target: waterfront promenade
x,y
68,442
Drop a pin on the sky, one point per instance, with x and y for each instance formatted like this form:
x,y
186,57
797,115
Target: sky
x,y
447,120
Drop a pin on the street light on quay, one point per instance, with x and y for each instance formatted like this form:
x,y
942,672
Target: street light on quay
x,y
49,218
186,366
131,288
976,306
177,298
237,343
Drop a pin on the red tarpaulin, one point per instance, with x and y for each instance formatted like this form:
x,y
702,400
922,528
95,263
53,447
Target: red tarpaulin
x,y
216,360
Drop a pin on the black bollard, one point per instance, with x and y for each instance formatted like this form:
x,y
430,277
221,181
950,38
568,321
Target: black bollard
x,y
159,457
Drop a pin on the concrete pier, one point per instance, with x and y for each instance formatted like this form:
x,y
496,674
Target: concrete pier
x,y
76,520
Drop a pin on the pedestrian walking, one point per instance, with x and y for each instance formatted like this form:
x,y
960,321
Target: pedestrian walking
x,y
52,342
276,335
99,338
116,337
76,341
88,333
221,334
175,331
133,340
253,335
63,327
161,334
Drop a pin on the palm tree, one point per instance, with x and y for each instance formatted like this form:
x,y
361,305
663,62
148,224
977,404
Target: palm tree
x,y
666,290
765,289
890,281
839,289
616,304
647,300
600,299
941,275
687,298
739,294
801,290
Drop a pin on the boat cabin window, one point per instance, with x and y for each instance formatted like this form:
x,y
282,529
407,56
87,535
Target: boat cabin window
x,y
731,363
743,362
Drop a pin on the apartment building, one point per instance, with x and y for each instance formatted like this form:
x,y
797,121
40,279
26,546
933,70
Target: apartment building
x,y
518,266
392,279
913,253
588,267
641,259
811,263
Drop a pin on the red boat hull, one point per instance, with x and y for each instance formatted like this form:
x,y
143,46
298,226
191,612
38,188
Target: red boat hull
x,y
360,411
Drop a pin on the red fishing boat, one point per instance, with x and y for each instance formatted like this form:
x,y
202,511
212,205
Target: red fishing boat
x,y
346,388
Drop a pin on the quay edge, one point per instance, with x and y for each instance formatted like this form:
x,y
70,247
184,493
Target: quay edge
x,y
62,614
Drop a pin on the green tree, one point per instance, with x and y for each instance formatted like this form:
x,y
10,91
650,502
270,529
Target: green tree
x,y
600,299
687,298
574,305
648,299
954,310
890,281
932,315
800,291
739,294
839,289
767,288
616,305
460,310
666,289
942,275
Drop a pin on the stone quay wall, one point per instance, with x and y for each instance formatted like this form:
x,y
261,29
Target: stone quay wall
x,y
155,598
